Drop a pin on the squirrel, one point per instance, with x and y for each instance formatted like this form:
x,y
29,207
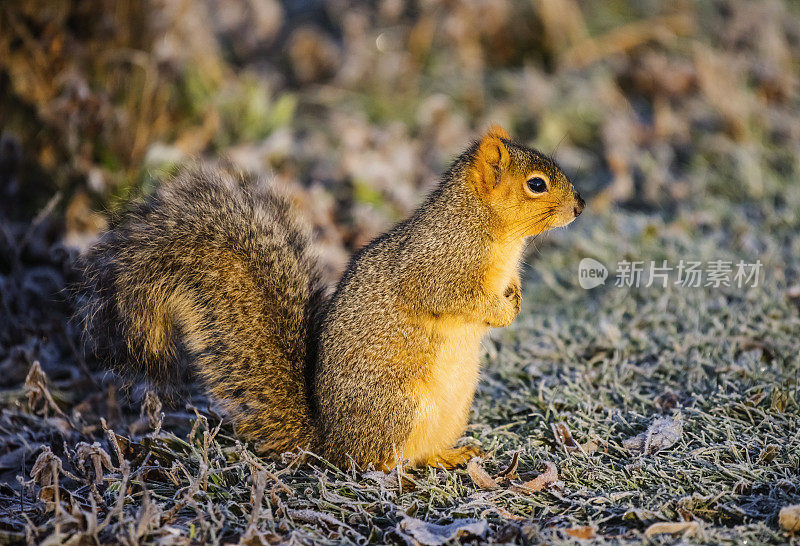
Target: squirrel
x,y
216,278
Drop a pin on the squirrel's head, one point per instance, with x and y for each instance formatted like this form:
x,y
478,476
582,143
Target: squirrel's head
x,y
525,189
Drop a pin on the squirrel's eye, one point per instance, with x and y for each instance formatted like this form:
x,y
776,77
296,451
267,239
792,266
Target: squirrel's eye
x,y
537,184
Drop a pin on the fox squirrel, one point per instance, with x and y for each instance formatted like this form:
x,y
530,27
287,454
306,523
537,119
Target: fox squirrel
x,y
215,277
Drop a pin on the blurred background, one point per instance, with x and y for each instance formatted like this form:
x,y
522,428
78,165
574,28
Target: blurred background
x,y
357,107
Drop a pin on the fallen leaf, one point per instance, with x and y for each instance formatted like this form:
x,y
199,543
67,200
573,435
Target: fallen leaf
x,y
314,517
432,534
479,476
666,401
789,518
47,495
746,344
639,514
590,447
384,479
508,515
661,434
636,443
564,438
769,453
586,532
779,401
511,469
755,399
541,481
672,528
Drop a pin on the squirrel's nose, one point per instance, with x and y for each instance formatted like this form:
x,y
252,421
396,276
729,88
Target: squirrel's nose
x,y
581,203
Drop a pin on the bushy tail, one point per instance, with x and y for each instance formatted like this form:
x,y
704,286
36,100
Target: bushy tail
x,y
212,276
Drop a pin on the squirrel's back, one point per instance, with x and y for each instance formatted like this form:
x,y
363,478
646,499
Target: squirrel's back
x,y
212,276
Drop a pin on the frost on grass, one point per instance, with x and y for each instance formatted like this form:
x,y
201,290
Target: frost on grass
x,y
663,433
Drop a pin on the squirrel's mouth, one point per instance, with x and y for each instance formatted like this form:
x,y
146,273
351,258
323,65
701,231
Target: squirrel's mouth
x,y
556,220
565,222
565,216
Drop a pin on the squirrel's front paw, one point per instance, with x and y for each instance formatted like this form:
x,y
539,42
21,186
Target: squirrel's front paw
x,y
507,306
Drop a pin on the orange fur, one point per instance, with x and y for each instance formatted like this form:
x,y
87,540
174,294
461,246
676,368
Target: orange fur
x,y
444,394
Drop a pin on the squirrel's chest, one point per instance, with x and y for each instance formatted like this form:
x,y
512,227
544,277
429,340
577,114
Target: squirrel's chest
x,y
444,394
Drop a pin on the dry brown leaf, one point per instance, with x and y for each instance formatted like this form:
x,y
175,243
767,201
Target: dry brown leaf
x,y
564,438
590,447
45,469
541,481
511,469
95,454
769,453
37,391
636,443
307,515
666,401
586,532
508,515
754,400
789,518
672,528
661,434
479,476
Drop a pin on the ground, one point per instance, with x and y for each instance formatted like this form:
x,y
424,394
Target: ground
x,y
619,413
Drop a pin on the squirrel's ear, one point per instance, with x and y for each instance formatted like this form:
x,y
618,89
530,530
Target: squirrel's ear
x,y
497,131
491,159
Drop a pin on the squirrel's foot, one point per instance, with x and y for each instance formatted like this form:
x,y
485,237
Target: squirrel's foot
x,y
507,306
456,456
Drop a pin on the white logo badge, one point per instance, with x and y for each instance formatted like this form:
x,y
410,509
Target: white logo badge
x,y
591,273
